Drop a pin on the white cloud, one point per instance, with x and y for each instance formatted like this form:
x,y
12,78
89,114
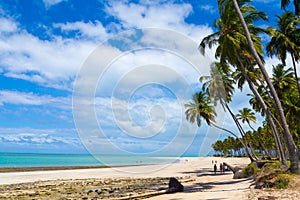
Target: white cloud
x,y
51,63
208,8
38,136
49,3
22,98
7,25
93,30
159,15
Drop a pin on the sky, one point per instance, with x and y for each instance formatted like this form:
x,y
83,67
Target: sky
x,y
107,77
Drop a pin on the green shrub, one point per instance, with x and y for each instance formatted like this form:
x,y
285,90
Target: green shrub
x,y
272,165
250,169
282,181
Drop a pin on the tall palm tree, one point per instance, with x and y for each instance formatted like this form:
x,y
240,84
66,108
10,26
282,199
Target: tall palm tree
x,y
286,39
285,3
293,150
219,86
202,107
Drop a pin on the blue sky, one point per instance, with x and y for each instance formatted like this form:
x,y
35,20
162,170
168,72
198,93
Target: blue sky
x,y
134,104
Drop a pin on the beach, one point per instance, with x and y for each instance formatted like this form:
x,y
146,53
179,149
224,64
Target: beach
x,y
196,174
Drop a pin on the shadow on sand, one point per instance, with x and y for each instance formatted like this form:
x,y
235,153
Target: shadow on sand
x,y
204,186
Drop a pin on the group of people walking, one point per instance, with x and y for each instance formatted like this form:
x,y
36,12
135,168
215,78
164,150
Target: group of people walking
x,y
222,167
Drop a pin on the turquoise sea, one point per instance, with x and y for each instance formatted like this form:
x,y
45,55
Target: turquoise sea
x,y
48,160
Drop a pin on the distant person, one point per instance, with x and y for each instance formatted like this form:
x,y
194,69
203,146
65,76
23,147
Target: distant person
x,y
221,168
215,168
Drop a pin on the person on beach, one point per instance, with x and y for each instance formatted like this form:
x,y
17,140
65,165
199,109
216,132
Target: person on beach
x,y
221,168
215,168
224,168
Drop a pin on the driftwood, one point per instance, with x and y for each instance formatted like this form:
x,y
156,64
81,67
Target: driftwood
x,y
237,171
232,168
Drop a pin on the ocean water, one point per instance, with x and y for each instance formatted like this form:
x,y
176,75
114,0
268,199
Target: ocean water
x,y
48,160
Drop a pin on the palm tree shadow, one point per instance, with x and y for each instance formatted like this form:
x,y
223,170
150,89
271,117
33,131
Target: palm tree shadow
x,y
207,172
198,187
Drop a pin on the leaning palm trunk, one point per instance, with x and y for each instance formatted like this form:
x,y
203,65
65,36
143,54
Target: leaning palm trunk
x,y
295,71
278,143
244,145
241,130
292,148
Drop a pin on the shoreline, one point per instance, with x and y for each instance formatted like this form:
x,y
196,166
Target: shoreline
x,y
100,166
54,168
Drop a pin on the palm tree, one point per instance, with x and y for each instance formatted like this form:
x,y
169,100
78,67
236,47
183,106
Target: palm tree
x,y
293,150
285,3
286,39
202,108
233,47
255,102
283,80
253,74
219,85
285,84
246,115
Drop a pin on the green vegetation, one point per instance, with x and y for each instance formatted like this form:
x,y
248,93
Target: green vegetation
x,y
270,175
250,170
241,53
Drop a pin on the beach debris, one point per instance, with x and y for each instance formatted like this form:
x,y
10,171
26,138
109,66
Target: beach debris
x,y
174,186
234,169
237,171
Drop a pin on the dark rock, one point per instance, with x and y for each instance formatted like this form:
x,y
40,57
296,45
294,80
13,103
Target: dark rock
x,y
174,186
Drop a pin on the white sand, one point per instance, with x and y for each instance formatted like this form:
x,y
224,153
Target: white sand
x,y
207,185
